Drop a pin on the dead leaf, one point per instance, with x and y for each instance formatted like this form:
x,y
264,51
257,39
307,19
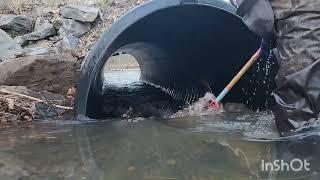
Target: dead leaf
x,y
71,93
10,103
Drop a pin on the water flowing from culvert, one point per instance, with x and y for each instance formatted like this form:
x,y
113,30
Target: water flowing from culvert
x,y
196,117
191,144
121,78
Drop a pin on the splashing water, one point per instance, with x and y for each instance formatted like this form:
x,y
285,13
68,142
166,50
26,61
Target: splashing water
x,y
264,127
199,108
252,124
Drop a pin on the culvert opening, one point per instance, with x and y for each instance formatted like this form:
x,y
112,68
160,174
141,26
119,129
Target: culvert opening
x,y
126,95
178,47
121,69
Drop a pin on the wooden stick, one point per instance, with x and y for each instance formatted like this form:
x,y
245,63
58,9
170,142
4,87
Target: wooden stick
x,y
35,99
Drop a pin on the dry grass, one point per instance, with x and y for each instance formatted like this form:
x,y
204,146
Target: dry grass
x,y
20,6
16,6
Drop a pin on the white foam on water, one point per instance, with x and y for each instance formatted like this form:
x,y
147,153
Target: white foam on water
x,y
121,78
250,123
198,108
263,128
136,120
311,124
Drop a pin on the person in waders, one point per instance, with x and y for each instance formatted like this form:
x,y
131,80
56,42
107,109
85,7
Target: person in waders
x,y
294,27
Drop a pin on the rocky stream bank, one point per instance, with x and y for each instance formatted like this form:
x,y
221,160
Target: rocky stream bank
x,y
41,51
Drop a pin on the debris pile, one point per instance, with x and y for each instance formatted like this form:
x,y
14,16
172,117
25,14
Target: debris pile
x,y
19,104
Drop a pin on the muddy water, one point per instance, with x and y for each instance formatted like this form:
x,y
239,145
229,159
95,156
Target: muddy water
x,y
223,145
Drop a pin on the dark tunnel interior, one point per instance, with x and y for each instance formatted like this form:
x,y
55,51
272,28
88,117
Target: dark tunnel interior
x,y
180,47
187,42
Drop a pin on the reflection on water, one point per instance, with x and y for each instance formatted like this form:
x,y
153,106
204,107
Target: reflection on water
x,y
149,149
121,78
217,146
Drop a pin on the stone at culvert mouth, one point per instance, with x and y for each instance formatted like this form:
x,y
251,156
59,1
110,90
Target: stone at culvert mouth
x,y
137,100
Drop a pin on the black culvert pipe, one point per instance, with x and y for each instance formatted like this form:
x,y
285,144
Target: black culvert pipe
x,y
178,44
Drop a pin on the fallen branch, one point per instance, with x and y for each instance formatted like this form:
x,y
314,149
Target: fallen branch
x,y
35,99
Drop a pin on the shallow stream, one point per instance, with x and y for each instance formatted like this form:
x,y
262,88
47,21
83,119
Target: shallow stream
x,y
223,145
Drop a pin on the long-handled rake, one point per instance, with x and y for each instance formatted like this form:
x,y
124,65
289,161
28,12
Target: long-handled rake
x,y
215,102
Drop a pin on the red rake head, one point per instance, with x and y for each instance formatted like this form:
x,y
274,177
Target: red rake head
x,y
213,104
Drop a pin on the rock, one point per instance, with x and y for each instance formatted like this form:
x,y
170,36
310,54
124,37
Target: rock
x,y
8,47
38,51
74,27
95,23
68,42
56,22
18,23
43,29
70,32
21,41
80,13
55,38
38,73
41,43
